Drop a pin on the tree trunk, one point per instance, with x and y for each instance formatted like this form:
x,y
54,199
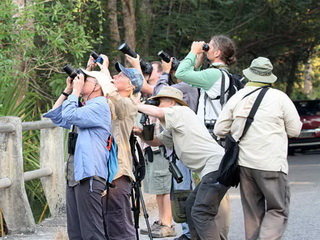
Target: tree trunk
x,y
114,28
307,88
129,22
292,75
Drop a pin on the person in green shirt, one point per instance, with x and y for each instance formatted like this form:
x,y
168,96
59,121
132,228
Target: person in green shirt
x,y
221,54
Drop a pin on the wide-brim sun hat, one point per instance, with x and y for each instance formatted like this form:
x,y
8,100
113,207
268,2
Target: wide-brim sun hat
x,y
260,70
133,74
171,92
102,79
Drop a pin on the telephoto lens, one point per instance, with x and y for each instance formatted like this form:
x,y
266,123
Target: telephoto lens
x,y
124,47
166,57
70,71
205,47
97,57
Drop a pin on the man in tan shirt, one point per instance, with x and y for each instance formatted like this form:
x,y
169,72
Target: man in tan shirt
x,y
264,187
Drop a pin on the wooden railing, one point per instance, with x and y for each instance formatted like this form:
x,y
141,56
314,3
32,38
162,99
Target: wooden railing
x,y
13,198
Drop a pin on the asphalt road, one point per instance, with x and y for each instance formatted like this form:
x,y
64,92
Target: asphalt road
x,y
304,219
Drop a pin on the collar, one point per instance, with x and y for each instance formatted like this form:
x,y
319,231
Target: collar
x,y
218,65
257,84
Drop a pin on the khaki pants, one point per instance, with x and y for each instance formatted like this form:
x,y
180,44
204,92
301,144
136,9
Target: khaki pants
x,y
265,197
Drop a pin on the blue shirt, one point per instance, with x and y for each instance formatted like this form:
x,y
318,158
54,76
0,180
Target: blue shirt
x,y
94,123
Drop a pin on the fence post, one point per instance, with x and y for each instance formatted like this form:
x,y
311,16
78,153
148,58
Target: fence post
x,y
52,155
13,200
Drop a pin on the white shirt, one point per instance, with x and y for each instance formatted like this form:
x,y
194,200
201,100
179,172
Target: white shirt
x,y
265,145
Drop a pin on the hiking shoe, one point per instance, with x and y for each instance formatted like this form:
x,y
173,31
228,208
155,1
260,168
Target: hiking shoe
x,y
164,231
182,237
154,227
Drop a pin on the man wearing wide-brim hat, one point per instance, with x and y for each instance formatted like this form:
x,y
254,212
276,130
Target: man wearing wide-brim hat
x,y
197,150
264,187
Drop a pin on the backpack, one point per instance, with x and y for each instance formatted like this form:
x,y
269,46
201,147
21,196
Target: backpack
x,y
113,159
236,83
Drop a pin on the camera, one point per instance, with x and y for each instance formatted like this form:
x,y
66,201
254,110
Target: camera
x,y
72,140
166,57
146,67
210,126
205,47
97,57
73,72
145,118
176,173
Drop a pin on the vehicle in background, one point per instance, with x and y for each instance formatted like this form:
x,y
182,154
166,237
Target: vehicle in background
x,y
309,138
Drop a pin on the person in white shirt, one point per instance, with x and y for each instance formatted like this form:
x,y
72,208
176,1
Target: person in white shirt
x,y
264,187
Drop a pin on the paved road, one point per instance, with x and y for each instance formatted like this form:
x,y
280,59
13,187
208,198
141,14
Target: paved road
x,y
304,220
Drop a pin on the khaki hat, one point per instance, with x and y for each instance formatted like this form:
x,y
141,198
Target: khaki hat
x,y
260,70
171,92
102,79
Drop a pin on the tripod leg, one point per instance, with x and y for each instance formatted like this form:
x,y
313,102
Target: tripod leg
x,y
136,210
145,214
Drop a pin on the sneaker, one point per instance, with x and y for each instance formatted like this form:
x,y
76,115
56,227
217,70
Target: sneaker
x,y
182,237
154,227
164,231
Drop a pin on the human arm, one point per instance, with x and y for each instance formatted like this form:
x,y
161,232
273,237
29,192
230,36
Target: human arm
x,y
291,118
202,79
152,111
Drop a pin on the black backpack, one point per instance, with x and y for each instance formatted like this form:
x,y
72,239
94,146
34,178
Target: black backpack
x,y
236,83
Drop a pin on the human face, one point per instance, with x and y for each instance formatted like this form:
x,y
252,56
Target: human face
x,y
213,53
122,82
155,75
166,102
89,86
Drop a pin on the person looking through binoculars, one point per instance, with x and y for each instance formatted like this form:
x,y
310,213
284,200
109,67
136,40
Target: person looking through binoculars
x,y
87,170
124,95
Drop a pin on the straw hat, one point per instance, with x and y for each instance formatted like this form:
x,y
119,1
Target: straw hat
x,y
171,92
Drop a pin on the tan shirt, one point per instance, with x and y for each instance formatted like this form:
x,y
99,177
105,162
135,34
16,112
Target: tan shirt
x,y
264,147
192,142
126,114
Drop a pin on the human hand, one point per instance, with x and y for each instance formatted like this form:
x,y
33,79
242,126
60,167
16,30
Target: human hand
x,y
135,62
197,46
137,131
105,64
91,64
166,67
78,83
69,87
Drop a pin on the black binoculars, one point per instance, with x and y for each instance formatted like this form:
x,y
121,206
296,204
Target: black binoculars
x,y
146,67
205,47
166,57
73,72
97,57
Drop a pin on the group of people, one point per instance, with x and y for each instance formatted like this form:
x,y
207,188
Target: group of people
x,y
191,115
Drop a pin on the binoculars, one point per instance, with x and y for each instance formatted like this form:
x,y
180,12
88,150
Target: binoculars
x,y
97,57
146,67
148,128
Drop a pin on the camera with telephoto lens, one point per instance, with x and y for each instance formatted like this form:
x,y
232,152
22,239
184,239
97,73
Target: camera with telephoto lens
x,y
97,57
166,57
73,72
146,67
205,47
176,173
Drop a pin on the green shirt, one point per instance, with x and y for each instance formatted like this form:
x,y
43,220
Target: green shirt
x,y
202,79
